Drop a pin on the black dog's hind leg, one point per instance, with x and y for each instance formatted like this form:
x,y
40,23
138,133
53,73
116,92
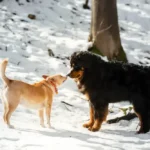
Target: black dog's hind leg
x,y
144,123
142,112
100,115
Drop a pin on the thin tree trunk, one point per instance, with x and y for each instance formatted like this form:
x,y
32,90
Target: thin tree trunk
x,y
104,31
104,34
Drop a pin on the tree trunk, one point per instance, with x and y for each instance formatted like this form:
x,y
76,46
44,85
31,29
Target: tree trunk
x,y
105,30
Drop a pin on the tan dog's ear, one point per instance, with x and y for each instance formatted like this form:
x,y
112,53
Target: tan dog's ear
x,y
45,76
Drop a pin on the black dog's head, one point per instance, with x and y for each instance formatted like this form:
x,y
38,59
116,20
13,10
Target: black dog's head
x,y
81,61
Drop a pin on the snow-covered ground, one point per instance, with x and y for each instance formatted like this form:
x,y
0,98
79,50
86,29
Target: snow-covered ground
x,y
63,27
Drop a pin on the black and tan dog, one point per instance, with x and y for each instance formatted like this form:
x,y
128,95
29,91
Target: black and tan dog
x,y
109,82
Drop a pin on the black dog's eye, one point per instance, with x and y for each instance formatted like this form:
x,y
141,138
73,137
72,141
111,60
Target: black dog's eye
x,y
77,68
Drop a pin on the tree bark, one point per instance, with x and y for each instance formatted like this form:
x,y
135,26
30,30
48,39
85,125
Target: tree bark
x,y
104,32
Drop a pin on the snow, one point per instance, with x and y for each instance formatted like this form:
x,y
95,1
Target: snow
x,y
63,27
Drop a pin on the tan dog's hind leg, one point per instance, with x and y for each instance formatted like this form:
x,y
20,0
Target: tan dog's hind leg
x,y
5,111
10,101
11,109
41,115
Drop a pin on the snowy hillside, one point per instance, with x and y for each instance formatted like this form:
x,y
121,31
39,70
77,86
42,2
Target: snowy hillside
x,y
63,26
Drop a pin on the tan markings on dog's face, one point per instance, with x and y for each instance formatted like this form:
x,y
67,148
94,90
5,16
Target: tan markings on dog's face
x,y
76,74
57,79
72,65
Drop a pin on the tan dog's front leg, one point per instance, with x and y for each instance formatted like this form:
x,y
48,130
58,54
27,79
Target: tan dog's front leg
x,y
41,115
48,113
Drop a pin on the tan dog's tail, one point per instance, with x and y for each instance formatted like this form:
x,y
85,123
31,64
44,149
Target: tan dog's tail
x,y
3,65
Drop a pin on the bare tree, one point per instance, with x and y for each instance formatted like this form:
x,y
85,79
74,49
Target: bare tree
x,y
105,36
104,32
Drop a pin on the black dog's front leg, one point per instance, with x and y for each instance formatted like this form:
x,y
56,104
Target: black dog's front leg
x,y
90,123
100,115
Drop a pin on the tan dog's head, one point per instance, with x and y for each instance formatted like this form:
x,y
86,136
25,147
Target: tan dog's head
x,y
56,79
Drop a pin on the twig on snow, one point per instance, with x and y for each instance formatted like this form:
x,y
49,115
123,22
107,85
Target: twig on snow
x,y
66,103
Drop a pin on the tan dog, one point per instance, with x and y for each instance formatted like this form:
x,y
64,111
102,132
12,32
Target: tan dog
x,y
38,95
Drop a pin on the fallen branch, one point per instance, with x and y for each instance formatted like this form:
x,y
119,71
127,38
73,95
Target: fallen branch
x,y
66,103
6,27
129,116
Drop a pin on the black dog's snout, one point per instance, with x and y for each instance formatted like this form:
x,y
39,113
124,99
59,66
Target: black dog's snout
x,y
68,75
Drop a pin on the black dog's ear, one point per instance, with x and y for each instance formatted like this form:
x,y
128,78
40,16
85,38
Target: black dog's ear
x,y
81,59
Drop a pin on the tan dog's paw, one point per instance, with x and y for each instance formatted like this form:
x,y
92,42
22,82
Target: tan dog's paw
x,y
10,126
42,125
48,125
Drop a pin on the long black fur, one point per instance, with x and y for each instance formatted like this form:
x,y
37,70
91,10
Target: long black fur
x,y
110,82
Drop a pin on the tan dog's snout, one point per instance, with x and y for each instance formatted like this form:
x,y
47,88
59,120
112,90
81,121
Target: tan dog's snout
x,y
57,79
60,79
64,78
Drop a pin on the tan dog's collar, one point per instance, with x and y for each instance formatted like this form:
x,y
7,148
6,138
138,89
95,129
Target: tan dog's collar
x,y
54,85
50,85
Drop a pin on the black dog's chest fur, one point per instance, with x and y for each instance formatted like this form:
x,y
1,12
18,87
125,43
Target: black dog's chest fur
x,y
108,93
80,86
